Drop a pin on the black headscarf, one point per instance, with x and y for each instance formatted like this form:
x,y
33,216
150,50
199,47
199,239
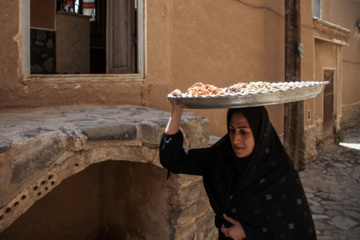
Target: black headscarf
x,y
267,197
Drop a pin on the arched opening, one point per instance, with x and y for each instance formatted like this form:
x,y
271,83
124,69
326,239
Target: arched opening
x,y
107,200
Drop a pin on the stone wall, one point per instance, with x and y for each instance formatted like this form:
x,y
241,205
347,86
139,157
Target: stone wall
x,y
42,51
312,142
40,149
193,217
350,115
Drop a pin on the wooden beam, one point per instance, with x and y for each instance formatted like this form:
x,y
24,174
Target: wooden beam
x,y
293,112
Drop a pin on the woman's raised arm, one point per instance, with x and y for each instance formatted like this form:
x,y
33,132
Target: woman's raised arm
x,y
173,125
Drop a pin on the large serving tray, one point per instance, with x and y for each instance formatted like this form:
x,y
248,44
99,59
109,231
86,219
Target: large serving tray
x,y
304,90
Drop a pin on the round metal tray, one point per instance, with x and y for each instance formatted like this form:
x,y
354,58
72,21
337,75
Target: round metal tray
x,y
304,91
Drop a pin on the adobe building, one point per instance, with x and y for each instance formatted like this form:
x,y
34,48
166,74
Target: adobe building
x,y
84,102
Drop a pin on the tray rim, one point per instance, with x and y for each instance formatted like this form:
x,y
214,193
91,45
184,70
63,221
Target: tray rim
x,y
229,100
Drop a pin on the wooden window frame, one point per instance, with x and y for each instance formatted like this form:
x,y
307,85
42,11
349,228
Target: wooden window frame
x,y
25,54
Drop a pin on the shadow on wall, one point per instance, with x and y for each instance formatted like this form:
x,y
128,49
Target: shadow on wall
x,y
108,200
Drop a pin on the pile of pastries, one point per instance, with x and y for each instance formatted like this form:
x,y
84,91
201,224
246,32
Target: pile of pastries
x,y
200,89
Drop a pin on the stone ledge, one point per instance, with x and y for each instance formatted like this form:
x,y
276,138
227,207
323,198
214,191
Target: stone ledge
x,y
331,32
42,147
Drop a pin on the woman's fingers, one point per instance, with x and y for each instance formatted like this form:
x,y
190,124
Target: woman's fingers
x,y
176,92
225,230
236,231
176,108
230,220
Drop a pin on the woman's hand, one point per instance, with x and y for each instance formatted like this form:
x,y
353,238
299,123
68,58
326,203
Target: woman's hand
x,y
176,92
235,232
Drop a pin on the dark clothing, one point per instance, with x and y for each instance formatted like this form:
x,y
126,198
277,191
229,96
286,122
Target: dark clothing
x,y
263,191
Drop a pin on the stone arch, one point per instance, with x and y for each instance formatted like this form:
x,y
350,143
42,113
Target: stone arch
x,y
40,149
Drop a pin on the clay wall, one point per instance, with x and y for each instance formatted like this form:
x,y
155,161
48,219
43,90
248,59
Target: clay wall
x,y
346,14
186,42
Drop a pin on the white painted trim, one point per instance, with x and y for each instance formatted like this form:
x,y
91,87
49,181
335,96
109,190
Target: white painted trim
x,y
334,41
85,77
141,38
337,89
45,29
108,37
25,38
332,25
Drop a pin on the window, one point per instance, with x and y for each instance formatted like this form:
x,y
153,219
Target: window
x,y
83,37
316,8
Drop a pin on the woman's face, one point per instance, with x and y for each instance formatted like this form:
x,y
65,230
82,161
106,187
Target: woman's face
x,y
241,136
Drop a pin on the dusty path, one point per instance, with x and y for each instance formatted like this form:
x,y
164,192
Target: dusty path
x,y
332,185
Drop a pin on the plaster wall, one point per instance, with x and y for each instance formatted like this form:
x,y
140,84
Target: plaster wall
x,y
308,61
219,43
232,44
346,14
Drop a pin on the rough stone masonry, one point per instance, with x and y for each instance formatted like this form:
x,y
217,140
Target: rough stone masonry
x,y
40,148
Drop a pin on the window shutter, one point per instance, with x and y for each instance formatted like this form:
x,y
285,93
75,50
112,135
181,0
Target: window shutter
x,y
120,36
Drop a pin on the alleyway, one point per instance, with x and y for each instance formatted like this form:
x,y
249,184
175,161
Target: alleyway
x,y
332,185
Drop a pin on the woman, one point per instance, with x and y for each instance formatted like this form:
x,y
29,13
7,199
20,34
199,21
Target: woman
x,y
251,182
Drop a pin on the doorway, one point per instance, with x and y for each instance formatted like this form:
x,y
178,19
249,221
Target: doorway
x,y
328,110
